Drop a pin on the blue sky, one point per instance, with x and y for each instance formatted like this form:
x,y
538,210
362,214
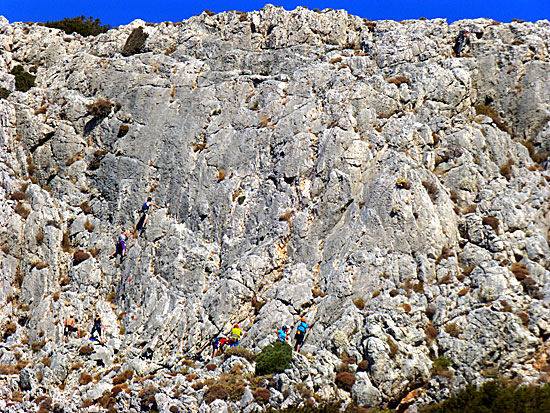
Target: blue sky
x,y
122,12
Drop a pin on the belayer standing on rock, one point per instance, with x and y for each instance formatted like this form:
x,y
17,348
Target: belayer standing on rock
x,y
300,334
97,327
120,245
140,227
70,328
462,39
217,345
235,336
282,335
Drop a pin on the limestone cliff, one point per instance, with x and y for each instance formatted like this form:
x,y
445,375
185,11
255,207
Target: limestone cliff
x,y
306,163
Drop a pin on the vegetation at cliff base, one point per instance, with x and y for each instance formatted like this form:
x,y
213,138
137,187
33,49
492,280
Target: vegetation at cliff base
x,y
496,397
274,358
81,25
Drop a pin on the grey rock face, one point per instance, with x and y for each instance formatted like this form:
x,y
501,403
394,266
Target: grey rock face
x,y
306,164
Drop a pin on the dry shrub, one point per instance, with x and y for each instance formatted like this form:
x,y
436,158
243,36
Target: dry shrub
x,y
191,377
520,271
453,329
107,401
123,130
221,175
376,294
18,196
123,377
31,167
10,329
363,365
147,396
506,169
359,303
433,190
73,159
211,367
118,388
524,317
100,109
46,361
506,307
337,59
197,385
394,293
7,370
399,80
22,210
45,405
468,270
406,307
445,253
287,216
64,281
261,395
66,242
87,403
41,265
89,226
463,292
216,391
80,256
345,380
343,367
94,251
416,286
86,208
316,292
76,366
41,110
470,209
492,222
490,112
37,345
538,157
264,120
39,236
85,351
431,332
248,355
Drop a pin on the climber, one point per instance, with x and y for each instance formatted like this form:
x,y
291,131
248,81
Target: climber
x,y
235,336
70,328
217,345
462,39
282,334
300,334
97,327
121,245
140,227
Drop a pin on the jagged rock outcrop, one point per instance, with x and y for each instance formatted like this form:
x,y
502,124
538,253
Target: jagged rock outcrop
x,y
306,163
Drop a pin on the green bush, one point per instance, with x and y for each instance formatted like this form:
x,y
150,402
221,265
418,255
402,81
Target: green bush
x,y
23,80
442,362
273,359
135,42
4,93
495,397
81,25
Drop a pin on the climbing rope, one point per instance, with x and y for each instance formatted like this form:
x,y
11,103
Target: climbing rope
x,y
129,267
